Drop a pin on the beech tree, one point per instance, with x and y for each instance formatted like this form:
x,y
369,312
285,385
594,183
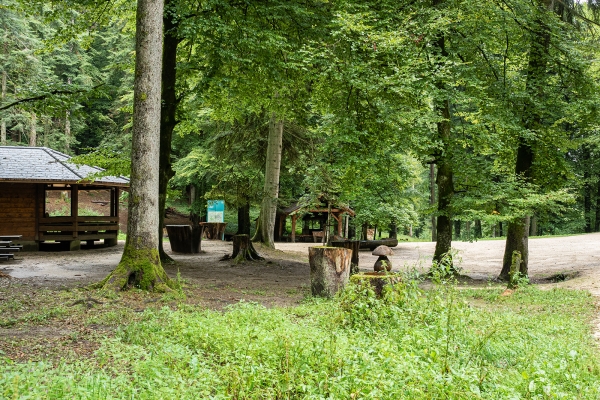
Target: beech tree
x,y
140,264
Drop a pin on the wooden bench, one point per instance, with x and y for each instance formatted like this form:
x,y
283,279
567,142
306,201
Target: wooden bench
x,y
318,235
7,248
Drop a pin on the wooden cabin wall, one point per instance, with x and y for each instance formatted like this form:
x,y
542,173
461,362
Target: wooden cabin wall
x,y
17,209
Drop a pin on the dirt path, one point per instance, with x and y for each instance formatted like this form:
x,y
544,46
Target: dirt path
x,y
284,277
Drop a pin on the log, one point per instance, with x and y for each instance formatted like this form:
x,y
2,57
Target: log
x,y
378,280
329,269
183,240
243,250
352,245
372,244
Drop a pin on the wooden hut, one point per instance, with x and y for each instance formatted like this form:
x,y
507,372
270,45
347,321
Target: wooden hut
x,y
314,221
29,174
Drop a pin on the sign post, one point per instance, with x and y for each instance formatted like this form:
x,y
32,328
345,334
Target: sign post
x,y
215,212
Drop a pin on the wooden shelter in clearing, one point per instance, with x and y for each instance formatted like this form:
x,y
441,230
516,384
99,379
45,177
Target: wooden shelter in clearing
x,y
314,222
28,177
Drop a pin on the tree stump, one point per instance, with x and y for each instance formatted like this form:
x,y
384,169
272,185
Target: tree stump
x,y
183,239
243,250
378,280
354,246
329,269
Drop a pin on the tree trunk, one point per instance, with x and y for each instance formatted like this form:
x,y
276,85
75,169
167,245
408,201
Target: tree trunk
x,y
457,229
168,119
516,240
478,233
271,189
597,222
394,231
244,219
3,123
243,250
587,188
329,269
533,228
444,177
68,126
432,200
518,231
140,264
33,131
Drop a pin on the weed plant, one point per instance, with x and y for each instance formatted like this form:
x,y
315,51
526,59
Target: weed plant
x,y
440,343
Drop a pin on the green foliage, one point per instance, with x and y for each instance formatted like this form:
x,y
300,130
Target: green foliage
x,y
411,344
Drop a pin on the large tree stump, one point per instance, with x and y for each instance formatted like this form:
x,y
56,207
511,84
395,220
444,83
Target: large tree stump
x,y
183,239
243,250
353,245
214,230
329,269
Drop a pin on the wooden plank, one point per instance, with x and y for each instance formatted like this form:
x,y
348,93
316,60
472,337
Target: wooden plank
x,y
80,228
87,236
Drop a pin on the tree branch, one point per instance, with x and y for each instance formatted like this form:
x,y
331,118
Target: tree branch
x,y
46,95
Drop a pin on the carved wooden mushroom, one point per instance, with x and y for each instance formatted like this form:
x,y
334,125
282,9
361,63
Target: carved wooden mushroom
x,y
383,263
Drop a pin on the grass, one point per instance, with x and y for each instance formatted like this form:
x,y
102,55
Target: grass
x,y
412,344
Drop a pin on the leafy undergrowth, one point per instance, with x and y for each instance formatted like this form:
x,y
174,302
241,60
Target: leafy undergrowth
x,y
412,344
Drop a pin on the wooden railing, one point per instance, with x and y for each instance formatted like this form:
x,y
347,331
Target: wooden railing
x,y
78,228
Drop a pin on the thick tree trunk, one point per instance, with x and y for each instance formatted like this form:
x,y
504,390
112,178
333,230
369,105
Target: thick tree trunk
x,y
3,123
444,177
33,131
243,250
457,224
140,264
168,119
518,231
597,222
271,189
244,219
432,200
533,227
587,188
329,269
516,240
478,233
445,186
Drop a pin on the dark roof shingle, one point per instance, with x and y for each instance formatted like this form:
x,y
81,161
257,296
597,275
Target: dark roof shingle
x,y
46,165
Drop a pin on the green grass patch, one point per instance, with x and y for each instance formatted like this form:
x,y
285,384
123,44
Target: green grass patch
x,y
440,343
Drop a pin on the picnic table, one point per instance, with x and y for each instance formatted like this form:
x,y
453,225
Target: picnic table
x,y
7,248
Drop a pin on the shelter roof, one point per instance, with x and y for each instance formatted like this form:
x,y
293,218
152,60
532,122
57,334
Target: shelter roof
x,y
295,208
44,165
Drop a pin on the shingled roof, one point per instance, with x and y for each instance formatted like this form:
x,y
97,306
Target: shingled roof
x,y
41,164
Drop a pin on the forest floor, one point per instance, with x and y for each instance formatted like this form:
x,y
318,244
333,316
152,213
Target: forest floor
x,y
43,286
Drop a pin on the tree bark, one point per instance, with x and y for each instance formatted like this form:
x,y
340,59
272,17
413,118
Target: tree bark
x,y
444,177
478,233
457,224
533,227
3,123
271,187
329,269
244,219
140,264
243,250
597,222
432,200
518,231
353,245
33,131
587,188
168,119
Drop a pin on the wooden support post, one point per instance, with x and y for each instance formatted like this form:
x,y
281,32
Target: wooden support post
x,y
329,269
117,196
294,228
75,207
339,226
